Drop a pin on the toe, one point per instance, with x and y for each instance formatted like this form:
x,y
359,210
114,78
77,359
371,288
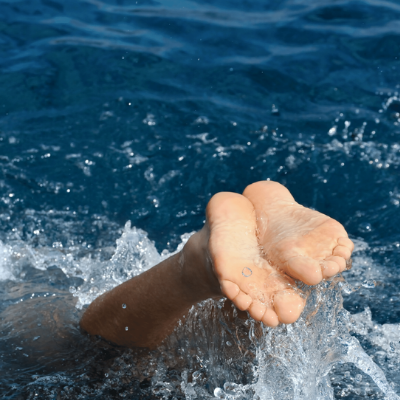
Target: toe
x,y
342,251
242,301
288,306
329,268
344,241
340,261
270,318
305,269
257,310
229,289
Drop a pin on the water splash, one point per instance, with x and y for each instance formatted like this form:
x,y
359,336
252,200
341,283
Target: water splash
x,y
289,362
218,352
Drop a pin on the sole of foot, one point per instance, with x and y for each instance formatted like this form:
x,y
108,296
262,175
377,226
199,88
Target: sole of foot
x,y
261,241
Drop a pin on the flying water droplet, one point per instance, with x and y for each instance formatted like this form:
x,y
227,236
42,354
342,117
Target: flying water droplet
x,y
332,131
124,305
126,328
247,272
365,227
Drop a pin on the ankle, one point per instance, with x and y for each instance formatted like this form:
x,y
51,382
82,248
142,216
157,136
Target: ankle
x,y
197,271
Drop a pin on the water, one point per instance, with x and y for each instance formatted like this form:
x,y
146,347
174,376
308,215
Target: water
x,y
140,111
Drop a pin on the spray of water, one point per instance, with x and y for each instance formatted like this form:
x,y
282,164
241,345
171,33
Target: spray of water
x,y
216,353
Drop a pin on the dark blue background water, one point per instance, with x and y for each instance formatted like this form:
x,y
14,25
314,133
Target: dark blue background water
x,y
142,110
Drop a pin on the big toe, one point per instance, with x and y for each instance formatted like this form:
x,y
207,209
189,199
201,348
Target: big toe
x,y
288,306
305,269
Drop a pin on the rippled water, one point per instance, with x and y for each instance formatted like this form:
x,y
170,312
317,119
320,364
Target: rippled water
x,y
140,111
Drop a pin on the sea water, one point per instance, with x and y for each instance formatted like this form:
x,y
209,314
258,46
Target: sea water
x,y
119,120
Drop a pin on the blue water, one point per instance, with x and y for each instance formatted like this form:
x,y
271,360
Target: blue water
x,y
141,111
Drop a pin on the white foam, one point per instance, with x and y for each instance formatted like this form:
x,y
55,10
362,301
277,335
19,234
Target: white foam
x,y
290,362
6,265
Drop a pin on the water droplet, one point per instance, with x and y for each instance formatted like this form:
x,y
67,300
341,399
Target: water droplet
x,y
365,227
230,386
332,131
150,120
274,110
247,272
219,393
126,328
369,284
358,378
228,343
196,375
346,288
124,305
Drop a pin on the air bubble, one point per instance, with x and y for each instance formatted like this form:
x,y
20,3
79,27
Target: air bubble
x,y
247,272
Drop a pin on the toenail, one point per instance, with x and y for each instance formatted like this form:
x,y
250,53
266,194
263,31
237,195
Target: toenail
x,y
349,264
247,272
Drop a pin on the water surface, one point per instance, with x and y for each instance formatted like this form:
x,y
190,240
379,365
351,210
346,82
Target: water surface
x,y
140,111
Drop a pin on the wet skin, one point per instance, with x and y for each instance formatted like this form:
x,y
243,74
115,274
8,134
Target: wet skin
x,y
252,249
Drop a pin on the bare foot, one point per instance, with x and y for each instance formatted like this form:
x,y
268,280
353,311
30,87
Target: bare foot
x,y
257,240
303,243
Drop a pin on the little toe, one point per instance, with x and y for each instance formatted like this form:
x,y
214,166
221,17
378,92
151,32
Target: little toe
x,y
288,306
341,262
344,241
329,268
257,310
305,269
342,251
270,318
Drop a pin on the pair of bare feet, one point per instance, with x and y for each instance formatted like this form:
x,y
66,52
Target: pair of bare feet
x,y
261,242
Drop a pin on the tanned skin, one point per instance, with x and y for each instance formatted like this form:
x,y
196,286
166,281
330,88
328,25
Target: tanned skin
x,y
252,250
